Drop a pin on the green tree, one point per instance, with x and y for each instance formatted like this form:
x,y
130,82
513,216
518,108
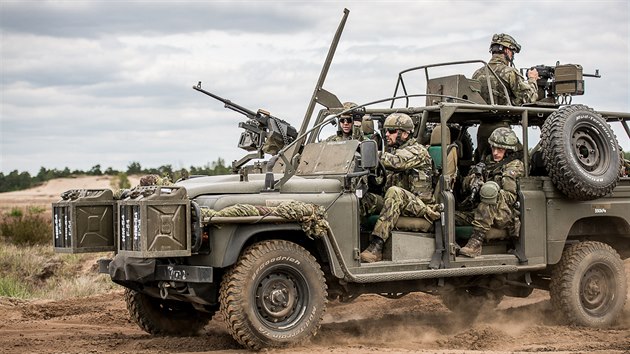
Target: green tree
x,y
15,181
134,168
95,171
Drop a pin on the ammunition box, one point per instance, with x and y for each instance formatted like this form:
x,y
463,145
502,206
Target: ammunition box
x,y
454,86
155,221
84,221
569,79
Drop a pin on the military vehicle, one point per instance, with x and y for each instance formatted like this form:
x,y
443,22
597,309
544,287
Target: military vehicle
x,y
271,244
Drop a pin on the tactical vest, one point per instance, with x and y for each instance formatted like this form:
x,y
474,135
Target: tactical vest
x,y
416,180
497,64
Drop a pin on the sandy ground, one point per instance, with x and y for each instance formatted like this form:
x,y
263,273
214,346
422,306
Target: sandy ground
x,y
416,323
49,192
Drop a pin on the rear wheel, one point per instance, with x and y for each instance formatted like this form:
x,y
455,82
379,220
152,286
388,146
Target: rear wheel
x,y
275,295
164,317
588,286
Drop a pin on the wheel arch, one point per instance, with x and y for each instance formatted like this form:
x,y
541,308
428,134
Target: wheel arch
x,y
246,235
612,230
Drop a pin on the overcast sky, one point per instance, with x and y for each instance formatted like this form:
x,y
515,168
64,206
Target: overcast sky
x,y
110,82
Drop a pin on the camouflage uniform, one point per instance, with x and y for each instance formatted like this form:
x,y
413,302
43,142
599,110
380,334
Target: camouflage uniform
x,y
355,134
497,210
501,214
409,185
519,90
341,136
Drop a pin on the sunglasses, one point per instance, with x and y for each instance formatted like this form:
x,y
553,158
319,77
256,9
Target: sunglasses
x,y
345,120
391,130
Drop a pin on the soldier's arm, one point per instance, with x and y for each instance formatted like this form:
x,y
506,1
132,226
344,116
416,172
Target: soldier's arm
x,y
525,91
511,173
403,159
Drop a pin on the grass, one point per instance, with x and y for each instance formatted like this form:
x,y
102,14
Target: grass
x,y
26,227
36,272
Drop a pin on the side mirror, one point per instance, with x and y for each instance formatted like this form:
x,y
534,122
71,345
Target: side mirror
x,y
369,154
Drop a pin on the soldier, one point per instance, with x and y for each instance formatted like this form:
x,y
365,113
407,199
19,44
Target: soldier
x,y
349,125
409,184
503,47
498,193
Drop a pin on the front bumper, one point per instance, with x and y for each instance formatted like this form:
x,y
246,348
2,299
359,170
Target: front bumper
x,y
144,270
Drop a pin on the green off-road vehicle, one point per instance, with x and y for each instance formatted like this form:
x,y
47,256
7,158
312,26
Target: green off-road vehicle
x,y
269,245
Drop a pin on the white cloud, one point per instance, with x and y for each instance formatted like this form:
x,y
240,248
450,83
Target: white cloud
x,y
97,82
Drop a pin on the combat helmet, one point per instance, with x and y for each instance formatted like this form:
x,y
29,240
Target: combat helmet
x,y
399,121
489,192
347,106
367,125
504,40
503,138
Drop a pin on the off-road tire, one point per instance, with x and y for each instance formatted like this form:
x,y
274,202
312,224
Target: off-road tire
x,y
274,296
588,286
164,317
471,301
580,152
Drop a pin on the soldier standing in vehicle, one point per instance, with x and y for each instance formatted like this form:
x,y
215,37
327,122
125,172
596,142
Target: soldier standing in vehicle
x,y
498,194
410,191
349,125
503,48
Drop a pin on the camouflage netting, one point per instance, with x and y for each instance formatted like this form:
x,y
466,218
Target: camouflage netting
x,y
311,217
147,180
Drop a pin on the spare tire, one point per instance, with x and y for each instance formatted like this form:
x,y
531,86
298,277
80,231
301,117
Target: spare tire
x,y
580,152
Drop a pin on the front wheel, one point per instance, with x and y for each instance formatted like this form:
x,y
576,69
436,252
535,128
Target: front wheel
x,y
588,286
164,317
275,295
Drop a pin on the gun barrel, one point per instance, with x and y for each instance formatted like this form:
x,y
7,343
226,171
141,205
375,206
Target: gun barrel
x,y
228,104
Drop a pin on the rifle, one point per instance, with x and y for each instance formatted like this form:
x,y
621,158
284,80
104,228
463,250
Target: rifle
x,y
263,133
476,179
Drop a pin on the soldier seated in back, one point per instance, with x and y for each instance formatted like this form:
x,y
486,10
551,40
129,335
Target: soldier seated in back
x,y
498,194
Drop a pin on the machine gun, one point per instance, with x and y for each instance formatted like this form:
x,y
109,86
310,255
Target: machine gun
x,y
557,84
264,133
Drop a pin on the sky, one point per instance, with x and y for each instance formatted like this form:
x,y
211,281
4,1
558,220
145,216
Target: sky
x,y
110,82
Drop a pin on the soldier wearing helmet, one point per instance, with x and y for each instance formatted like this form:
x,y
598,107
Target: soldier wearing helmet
x,y
498,194
409,187
503,48
348,125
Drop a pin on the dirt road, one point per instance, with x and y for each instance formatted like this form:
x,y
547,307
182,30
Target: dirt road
x,y
414,323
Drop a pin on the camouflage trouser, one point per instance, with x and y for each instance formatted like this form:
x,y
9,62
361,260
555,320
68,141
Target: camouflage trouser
x,y
371,204
499,215
398,201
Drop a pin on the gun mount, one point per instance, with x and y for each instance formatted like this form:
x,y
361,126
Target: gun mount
x,y
557,84
264,133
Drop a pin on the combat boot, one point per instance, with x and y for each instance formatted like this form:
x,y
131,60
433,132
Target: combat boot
x,y
473,247
374,252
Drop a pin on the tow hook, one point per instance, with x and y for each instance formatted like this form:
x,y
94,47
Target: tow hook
x,y
163,289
